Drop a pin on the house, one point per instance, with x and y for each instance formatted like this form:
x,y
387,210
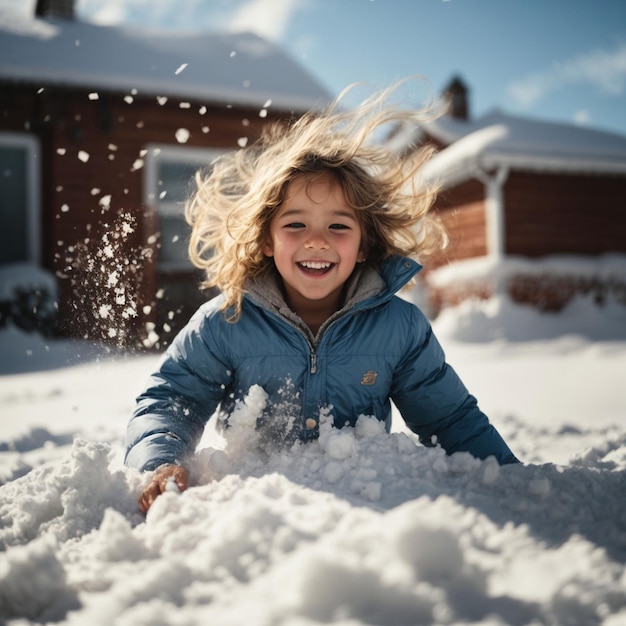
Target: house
x,y
101,132
534,208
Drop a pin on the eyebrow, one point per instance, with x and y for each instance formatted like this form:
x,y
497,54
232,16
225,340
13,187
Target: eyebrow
x,y
337,213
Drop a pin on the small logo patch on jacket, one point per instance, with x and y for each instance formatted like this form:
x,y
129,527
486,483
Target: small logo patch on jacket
x,y
369,378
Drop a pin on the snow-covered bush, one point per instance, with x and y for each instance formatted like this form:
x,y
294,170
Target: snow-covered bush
x,y
549,284
28,298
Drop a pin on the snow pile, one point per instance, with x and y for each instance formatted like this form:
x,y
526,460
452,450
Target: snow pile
x,y
26,351
359,527
589,294
606,268
501,318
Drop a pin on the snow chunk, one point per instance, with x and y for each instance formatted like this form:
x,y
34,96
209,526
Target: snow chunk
x,y
182,135
33,581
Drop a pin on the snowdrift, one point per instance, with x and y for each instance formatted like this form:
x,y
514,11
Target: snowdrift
x,y
360,527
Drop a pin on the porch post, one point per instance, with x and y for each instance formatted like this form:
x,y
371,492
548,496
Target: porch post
x,y
494,210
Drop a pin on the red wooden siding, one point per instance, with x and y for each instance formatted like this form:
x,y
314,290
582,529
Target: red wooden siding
x,y
462,211
564,214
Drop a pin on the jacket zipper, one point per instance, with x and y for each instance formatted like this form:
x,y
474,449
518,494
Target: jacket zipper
x,y
313,362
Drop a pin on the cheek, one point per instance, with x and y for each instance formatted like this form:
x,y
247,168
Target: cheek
x,y
282,245
357,246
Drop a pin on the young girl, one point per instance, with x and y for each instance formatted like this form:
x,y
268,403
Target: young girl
x,y
308,234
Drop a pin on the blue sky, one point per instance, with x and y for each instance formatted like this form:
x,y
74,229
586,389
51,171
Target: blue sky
x,y
562,60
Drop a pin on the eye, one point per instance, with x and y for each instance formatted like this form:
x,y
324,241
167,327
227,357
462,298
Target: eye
x,y
294,225
339,227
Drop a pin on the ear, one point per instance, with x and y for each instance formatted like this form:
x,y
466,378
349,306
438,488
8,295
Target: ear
x,y
362,255
268,248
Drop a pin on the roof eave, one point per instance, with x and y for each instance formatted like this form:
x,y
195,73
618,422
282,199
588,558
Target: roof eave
x,y
145,88
475,167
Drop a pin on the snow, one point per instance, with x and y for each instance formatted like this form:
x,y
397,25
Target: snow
x,y
360,527
15,276
606,268
215,67
500,140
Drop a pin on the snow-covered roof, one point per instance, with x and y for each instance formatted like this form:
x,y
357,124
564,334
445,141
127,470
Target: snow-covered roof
x,y
502,140
238,69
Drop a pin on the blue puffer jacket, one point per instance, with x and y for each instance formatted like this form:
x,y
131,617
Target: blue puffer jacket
x,y
376,349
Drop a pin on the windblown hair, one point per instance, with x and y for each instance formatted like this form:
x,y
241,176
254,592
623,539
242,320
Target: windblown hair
x,y
236,199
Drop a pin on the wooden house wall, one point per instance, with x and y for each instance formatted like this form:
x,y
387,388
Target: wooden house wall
x,y
544,214
112,130
564,214
462,211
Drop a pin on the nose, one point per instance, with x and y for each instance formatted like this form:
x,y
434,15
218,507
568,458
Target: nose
x,y
316,240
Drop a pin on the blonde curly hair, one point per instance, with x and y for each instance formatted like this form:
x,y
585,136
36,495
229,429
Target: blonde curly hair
x,y
236,199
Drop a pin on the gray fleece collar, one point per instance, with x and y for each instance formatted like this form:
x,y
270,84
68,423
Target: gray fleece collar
x,y
265,291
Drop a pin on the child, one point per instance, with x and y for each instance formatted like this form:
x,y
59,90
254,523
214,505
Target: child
x,y
308,234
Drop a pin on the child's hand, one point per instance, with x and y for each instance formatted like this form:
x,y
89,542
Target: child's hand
x,y
165,478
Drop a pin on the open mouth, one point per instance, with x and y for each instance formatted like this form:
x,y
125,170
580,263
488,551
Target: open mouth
x,y
316,268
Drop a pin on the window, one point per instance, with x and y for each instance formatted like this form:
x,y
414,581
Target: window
x,y
169,181
19,199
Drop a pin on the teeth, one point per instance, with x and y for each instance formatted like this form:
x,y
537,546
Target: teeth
x,y
316,265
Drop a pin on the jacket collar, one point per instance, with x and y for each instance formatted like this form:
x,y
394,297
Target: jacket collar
x,y
368,286
396,272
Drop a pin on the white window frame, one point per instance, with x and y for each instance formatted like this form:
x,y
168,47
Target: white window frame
x,y
33,189
155,155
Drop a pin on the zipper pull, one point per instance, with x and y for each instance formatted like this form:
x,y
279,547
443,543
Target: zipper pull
x,y
313,363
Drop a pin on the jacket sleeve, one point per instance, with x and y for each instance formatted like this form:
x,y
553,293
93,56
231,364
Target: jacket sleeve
x,y
436,405
171,413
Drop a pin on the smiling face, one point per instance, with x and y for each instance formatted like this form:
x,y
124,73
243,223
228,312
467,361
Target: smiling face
x,y
315,239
